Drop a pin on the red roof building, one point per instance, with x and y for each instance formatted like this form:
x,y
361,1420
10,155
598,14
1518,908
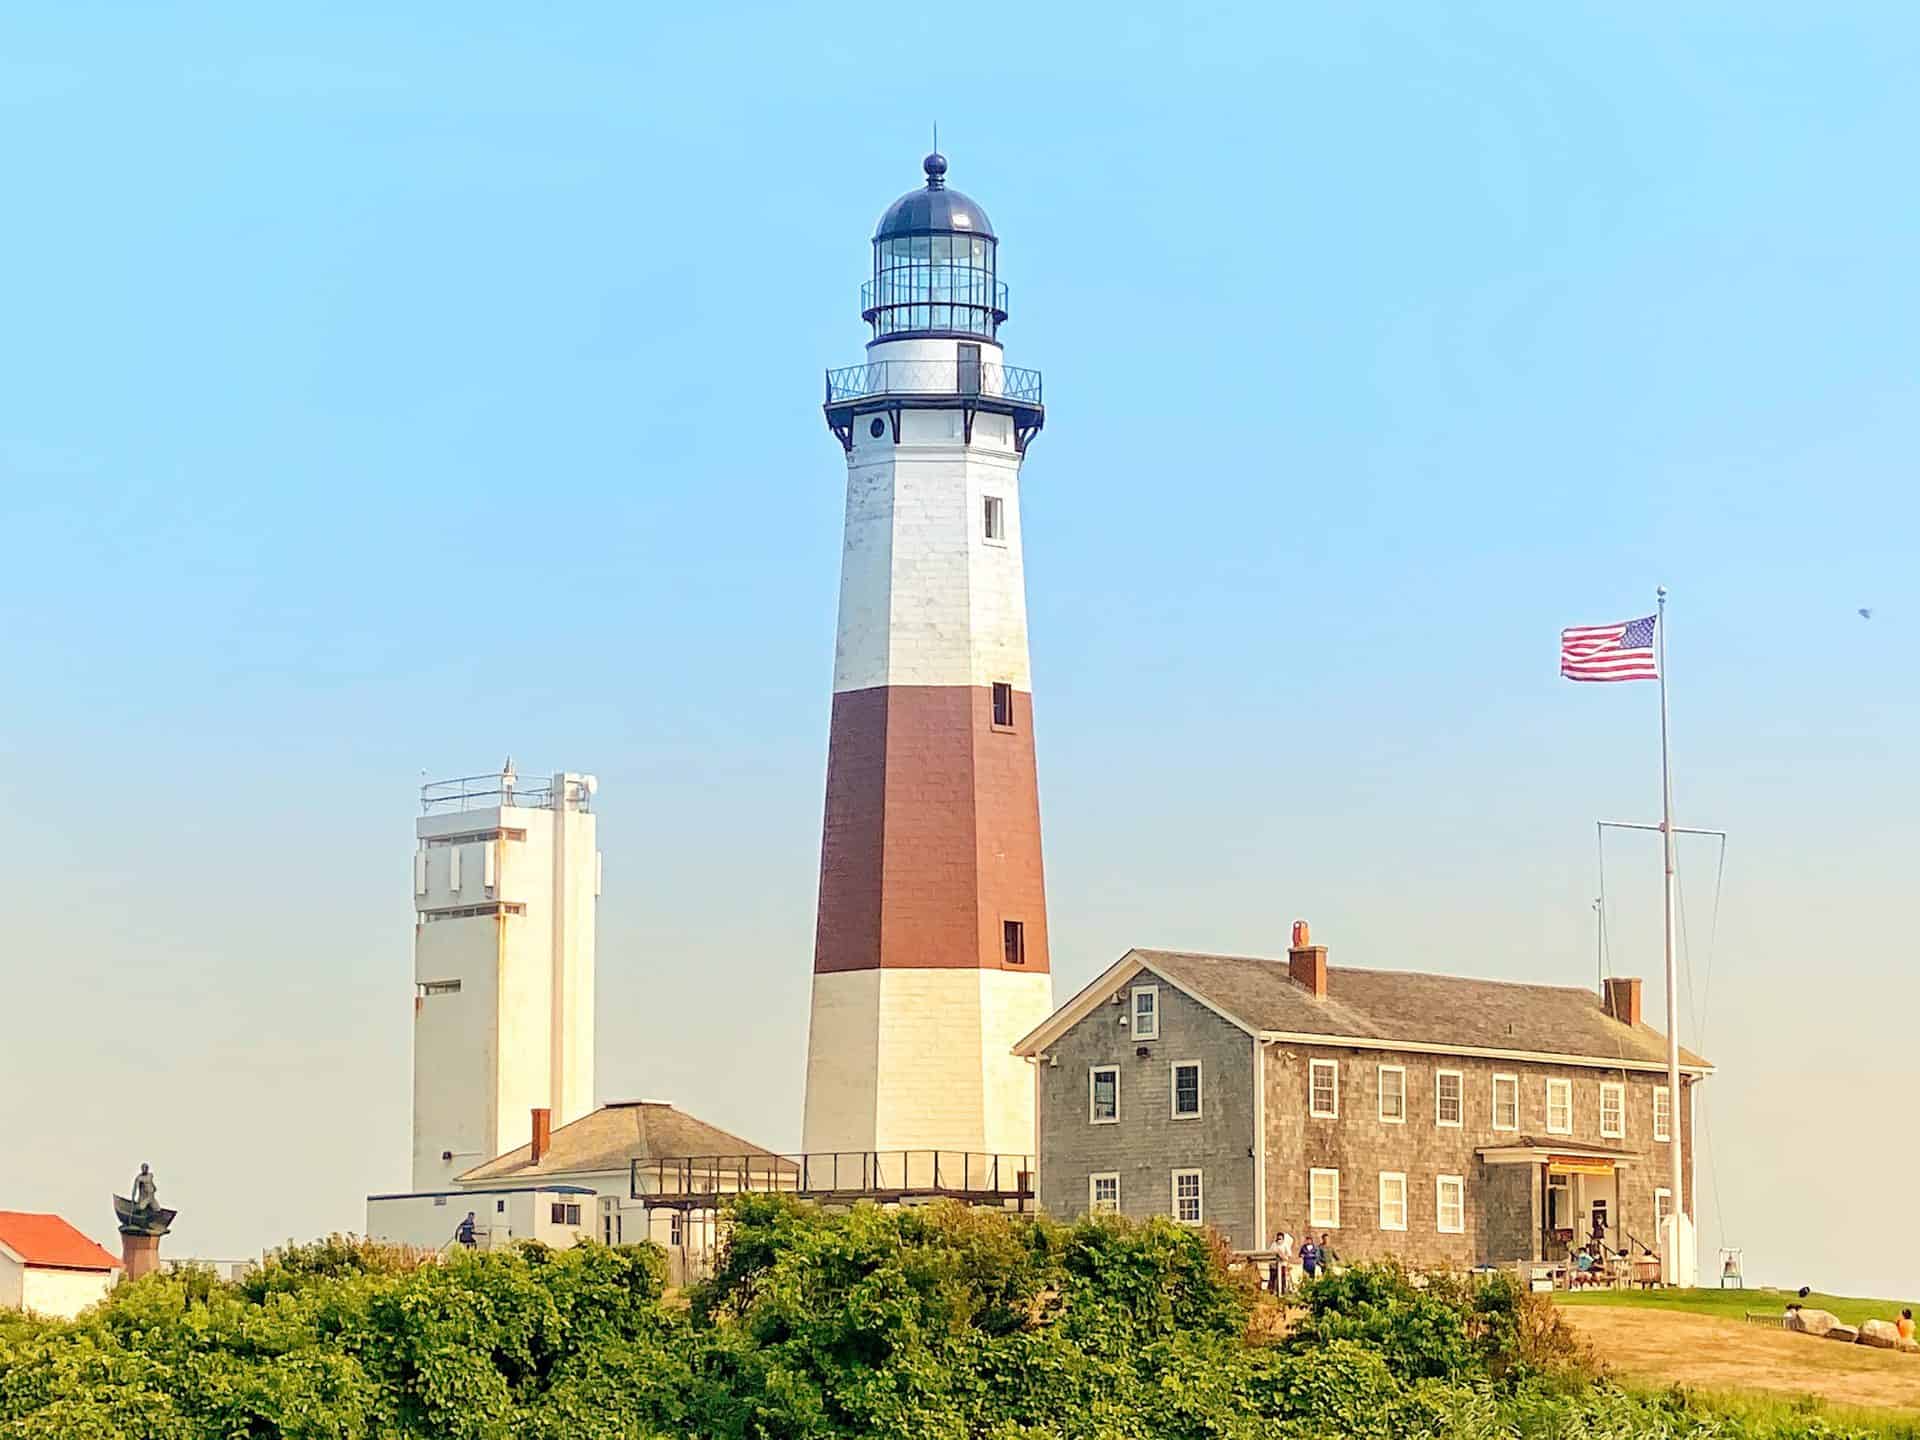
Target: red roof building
x,y
49,1268
48,1242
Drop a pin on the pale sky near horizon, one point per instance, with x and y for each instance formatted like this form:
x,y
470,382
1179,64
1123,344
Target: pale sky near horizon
x,y
388,392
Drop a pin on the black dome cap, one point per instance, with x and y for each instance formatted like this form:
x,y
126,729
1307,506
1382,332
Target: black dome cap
x,y
934,210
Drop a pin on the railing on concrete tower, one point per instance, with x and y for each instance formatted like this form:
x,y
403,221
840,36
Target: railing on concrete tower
x,y
486,792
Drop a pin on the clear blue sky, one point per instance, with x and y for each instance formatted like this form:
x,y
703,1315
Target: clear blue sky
x,y
386,392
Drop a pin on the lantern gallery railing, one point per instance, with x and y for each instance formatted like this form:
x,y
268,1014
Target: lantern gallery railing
x,y
934,377
703,1181
934,299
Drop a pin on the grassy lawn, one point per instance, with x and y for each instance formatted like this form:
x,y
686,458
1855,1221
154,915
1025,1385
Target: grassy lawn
x,y
1749,1370
1734,1304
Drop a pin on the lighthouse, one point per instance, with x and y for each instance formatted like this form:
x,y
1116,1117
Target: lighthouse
x,y
930,951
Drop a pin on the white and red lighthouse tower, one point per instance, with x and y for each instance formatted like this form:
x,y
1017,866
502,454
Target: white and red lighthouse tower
x,y
930,956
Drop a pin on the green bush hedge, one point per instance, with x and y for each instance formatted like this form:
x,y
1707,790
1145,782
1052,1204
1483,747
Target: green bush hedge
x,y
927,1323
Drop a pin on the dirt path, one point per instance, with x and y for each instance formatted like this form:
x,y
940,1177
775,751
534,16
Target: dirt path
x,y
1665,1346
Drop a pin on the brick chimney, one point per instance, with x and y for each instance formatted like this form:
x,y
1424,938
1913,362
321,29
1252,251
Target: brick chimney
x,y
1307,962
542,1132
1620,998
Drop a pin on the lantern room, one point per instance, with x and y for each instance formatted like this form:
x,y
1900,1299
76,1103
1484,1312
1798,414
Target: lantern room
x,y
934,266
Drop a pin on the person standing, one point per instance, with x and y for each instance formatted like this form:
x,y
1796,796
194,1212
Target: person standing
x,y
1309,1258
465,1233
1279,1273
1326,1257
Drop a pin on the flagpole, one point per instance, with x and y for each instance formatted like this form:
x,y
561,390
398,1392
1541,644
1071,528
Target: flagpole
x,y
1679,1210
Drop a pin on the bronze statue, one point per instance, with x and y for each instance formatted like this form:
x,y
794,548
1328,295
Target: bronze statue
x,y
142,1214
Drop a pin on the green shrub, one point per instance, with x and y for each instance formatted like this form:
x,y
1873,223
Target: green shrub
x,y
936,1324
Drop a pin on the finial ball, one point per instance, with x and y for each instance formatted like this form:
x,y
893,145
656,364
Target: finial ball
x,y
935,165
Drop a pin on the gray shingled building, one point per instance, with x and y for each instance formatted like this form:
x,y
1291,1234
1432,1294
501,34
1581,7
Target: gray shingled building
x,y
1440,1119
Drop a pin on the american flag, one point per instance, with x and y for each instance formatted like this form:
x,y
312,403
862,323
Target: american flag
x,y
1609,652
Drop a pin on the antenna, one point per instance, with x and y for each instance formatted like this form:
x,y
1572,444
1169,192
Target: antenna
x,y
936,137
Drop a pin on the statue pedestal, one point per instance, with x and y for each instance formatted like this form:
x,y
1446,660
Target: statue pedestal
x,y
140,1254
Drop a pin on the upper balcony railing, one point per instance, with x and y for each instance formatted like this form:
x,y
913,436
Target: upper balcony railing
x,y
934,377
488,792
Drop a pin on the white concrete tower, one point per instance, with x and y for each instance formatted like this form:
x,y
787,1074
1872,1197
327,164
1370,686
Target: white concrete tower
x,y
930,955
505,879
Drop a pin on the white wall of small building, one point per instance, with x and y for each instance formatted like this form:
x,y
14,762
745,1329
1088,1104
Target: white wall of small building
x,y
40,1290
431,1221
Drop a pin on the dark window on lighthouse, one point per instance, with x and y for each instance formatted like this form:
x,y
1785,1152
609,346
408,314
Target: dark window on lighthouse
x,y
996,518
1003,704
1013,935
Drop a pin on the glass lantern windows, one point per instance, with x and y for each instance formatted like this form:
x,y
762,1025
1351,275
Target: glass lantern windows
x,y
939,283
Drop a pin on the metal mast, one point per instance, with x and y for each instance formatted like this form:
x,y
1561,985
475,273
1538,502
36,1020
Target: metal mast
x,y
1680,1207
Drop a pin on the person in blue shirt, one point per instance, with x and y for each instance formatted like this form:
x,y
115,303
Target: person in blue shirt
x,y
1309,1257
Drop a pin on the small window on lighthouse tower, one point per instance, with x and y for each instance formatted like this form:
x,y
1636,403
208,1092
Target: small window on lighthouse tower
x,y
996,519
1003,705
1013,934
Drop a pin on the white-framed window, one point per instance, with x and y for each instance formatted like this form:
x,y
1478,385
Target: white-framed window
x,y
676,1229
1559,1107
1323,1199
1662,1207
1450,1204
1188,1207
1662,1113
1323,1089
1449,1098
994,519
1506,1102
1186,1089
1393,1200
1103,1194
1146,1012
1613,1110
1393,1094
1103,1094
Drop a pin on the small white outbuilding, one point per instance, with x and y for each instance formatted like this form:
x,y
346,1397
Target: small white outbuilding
x,y
49,1268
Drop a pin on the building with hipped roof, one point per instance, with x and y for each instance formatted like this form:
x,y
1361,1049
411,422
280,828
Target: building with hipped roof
x,y
583,1180
1441,1119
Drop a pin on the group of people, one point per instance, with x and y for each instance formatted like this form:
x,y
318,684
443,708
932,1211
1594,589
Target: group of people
x,y
1591,1264
1312,1258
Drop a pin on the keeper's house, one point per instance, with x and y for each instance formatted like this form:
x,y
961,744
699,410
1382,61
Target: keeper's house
x,y
1443,1120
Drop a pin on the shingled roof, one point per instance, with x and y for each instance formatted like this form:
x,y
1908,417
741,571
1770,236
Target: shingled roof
x,y
1387,1007
610,1138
